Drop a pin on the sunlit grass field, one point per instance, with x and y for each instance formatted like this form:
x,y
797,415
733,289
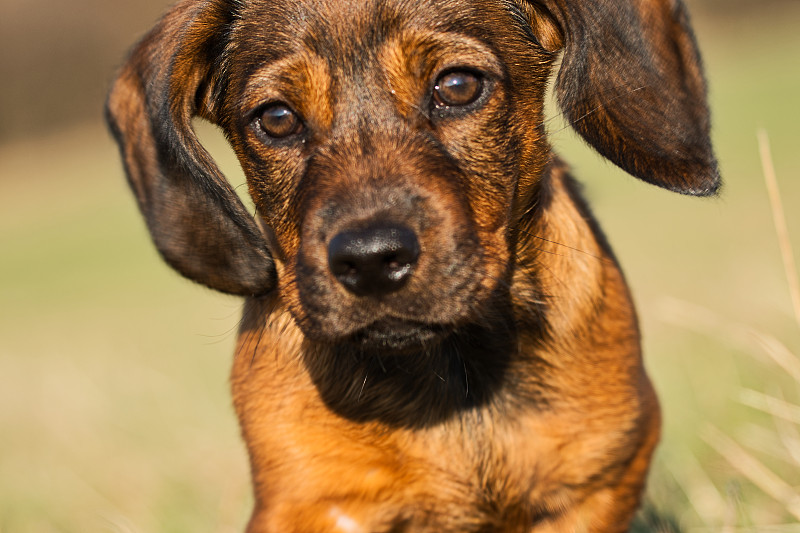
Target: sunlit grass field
x,y
114,405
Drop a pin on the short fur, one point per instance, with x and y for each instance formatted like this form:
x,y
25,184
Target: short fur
x,y
501,388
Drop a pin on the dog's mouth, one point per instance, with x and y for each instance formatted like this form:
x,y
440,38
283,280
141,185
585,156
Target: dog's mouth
x,y
394,335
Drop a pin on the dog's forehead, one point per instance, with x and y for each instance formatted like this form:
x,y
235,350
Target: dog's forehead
x,y
274,28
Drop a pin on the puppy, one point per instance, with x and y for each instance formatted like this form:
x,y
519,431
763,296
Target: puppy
x,y
436,336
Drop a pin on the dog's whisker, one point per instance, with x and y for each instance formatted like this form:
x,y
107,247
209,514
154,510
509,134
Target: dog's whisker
x,y
574,249
245,334
363,384
604,105
466,374
620,92
411,104
260,335
549,297
551,252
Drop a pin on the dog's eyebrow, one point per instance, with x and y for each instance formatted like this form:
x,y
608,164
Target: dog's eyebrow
x,y
425,52
411,60
301,78
262,80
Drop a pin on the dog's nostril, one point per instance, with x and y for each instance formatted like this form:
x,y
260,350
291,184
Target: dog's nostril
x,y
374,261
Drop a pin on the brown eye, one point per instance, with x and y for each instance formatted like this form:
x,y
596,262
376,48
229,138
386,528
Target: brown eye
x,y
457,88
279,121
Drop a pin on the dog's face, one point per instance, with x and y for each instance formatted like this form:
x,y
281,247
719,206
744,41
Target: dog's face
x,y
393,148
383,144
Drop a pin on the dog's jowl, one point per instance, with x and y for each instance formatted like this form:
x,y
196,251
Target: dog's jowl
x,y
436,336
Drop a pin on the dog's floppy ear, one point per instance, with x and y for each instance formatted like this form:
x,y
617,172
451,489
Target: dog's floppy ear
x,y
631,84
195,218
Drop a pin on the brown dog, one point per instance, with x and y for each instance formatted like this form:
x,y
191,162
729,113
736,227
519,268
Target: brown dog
x,y
437,337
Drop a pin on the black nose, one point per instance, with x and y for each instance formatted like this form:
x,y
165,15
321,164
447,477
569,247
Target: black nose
x,y
373,261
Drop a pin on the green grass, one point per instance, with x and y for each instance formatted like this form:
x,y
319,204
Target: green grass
x,y
114,405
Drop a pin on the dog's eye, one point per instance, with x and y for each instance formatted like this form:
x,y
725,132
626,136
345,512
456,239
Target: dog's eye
x,y
457,88
279,121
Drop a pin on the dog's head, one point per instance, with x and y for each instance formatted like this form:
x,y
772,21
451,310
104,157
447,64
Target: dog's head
x,y
392,146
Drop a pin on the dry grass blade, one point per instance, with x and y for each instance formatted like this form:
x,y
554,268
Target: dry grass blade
x,y
702,320
790,438
754,470
771,405
703,496
785,416
780,222
779,353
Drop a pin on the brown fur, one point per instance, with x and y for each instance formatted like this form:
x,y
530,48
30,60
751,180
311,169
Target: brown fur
x,y
501,387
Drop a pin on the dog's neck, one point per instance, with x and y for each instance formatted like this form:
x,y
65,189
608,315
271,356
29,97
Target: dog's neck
x,y
561,256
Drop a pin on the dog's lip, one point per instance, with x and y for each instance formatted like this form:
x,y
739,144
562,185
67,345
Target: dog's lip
x,y
399,335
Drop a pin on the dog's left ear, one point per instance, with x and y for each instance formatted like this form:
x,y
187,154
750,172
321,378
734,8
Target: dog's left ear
x,y
195,218
631,83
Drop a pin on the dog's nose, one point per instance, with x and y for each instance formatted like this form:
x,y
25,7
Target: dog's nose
x,y
373,261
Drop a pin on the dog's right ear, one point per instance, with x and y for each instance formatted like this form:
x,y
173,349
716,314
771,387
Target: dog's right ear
x,y
196,220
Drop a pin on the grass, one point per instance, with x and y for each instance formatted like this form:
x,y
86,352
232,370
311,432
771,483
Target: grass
x,y
114,405
774,442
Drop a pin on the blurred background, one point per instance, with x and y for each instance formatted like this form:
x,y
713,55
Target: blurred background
x,y
114,406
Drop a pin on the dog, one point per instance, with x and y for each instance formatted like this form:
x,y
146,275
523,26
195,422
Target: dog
x,y
436,335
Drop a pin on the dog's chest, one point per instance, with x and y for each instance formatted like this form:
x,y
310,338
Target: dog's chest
x,y
478,471
520,468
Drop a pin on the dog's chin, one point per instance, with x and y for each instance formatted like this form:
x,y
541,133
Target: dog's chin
x,y
396,336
